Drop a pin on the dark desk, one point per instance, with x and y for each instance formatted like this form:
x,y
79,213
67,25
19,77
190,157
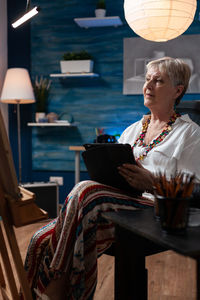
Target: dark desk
x,y
138,235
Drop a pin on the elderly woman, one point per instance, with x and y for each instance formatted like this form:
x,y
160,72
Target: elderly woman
x,y
61,261
163,141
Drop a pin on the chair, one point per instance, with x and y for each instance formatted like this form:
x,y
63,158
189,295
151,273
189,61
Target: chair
x,y
192,108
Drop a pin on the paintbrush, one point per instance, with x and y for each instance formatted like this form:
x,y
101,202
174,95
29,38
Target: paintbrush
x,y
179,186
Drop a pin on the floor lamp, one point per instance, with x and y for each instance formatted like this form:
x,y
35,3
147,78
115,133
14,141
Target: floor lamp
x,y
17,89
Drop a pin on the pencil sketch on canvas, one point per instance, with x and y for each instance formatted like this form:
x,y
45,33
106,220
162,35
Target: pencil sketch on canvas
x,y
138,52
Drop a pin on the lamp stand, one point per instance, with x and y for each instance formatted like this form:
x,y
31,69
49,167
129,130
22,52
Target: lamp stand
x,y
19,142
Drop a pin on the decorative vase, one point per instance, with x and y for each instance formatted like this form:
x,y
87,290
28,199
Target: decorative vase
x,y
100,13
40,117
52,117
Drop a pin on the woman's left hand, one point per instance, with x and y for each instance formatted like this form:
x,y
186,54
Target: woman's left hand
x,y
137,176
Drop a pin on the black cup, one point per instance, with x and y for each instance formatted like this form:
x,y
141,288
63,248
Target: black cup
x,y
173,213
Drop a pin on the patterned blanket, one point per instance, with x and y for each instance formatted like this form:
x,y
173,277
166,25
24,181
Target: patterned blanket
x,y
72,242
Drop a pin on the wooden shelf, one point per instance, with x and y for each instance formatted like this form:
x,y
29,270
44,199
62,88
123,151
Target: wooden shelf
x,y
66,124
98,22
70,75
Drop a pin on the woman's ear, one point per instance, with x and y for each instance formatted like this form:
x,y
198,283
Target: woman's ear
x,y
179,90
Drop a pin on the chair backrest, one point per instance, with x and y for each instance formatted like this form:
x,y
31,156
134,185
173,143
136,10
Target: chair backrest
x,y
192,108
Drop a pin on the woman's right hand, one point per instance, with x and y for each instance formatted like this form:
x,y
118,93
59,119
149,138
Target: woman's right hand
x,y
137,176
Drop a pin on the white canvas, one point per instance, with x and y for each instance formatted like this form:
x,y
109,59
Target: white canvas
x,y
138,52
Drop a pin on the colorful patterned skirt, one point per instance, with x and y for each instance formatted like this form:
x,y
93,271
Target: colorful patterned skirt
x,y
72,242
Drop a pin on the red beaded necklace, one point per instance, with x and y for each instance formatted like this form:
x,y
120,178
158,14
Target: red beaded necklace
x,y
159,139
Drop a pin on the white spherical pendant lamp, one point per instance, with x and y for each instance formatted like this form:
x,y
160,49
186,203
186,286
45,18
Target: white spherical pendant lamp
x,y
159,20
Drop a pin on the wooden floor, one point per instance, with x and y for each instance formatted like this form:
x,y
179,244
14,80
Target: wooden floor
x,y
171,276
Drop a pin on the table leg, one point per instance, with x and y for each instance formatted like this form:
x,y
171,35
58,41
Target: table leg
x,y
130,273
77,166
198,278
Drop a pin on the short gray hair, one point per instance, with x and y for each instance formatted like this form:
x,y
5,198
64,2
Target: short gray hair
x,y
178,71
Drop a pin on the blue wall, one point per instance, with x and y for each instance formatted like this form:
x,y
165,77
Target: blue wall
x,y
93,102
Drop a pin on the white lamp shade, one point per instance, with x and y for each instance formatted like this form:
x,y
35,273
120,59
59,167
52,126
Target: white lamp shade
x,y
17,87
159,20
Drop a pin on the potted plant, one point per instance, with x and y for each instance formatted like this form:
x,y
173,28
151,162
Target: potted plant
x,y
41,87
76,62
100,10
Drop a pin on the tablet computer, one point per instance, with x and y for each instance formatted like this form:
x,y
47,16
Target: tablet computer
x,y
102,160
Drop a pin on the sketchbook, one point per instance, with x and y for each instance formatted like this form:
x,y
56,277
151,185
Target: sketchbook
x,y
102,160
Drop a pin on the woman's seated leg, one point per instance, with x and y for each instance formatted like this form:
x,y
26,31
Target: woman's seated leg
x,y
78,236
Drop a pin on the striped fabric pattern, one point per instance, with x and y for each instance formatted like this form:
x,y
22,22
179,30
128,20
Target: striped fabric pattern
x,y
72,242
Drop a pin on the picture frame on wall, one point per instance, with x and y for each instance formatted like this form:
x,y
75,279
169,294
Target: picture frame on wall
x,y
138,52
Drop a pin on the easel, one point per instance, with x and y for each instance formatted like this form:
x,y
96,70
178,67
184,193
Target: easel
x,y
17,208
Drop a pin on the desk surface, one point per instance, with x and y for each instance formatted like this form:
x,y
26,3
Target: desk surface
x,y
142,223
76,148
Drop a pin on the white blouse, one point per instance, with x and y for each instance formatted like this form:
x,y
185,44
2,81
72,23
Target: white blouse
x,y
179,151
